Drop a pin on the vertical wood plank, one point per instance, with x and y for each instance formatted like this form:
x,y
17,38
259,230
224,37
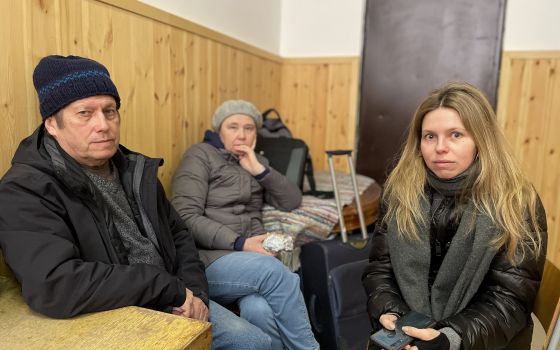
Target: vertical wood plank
x,y
318,100
161,114
528,111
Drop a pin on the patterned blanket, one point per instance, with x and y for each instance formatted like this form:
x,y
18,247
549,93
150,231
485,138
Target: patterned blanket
x,y
315,217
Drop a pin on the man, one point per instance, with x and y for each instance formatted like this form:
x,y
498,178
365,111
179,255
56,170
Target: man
x,y
84,222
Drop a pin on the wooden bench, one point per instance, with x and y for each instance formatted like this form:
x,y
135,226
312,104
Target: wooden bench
x,y
125,328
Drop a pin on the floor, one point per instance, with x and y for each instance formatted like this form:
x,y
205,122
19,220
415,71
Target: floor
x,y
538,335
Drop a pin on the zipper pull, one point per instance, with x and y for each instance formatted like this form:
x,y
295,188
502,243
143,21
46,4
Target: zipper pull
x,y
438,248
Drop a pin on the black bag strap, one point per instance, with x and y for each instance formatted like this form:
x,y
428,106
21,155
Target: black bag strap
x,y
308,170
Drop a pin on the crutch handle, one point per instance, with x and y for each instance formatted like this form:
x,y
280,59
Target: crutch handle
x,y
339,152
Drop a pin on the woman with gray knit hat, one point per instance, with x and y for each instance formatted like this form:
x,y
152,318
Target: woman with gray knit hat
x,y
219,190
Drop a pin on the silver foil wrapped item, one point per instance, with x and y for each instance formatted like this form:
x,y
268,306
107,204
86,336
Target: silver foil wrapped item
x,y
275,242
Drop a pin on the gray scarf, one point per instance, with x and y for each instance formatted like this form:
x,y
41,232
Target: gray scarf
x,y
464,267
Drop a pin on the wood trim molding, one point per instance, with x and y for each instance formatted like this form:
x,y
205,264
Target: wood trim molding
x,y
156,14
319,60
531,54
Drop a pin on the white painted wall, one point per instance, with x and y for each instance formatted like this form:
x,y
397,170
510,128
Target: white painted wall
x,y
322,28
532,25
316,28
255,22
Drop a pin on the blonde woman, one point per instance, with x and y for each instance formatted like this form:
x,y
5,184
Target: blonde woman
x,y
463,234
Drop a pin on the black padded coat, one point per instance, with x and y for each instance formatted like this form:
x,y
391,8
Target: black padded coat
x,y
58,237
497,317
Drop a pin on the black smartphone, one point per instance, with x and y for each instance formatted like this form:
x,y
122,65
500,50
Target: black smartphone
x,y
397,339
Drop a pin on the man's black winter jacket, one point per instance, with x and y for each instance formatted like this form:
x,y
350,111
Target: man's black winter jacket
x,y
59,239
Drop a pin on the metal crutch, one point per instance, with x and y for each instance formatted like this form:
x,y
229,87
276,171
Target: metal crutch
x,y
343,231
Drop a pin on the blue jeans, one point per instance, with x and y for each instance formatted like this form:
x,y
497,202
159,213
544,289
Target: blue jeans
x,y
230,332
268,296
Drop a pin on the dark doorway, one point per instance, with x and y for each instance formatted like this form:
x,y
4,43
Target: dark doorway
x,y
411,48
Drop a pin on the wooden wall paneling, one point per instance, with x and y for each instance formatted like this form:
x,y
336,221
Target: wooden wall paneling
x,y
288,92
123,72
271,74
72,24
202,91
298,120
319,118
342,99
157,15
196,44
213,78
45,28
140,123
170,75
179,88
247,79
530,131
318,99
528,111
232,90
222,71
295,99
239,77
98,32
161,115
190,50
549,186
257,70
231,77
17,116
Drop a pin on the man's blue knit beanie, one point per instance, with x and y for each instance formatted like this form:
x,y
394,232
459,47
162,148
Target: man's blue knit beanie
x,y
61,80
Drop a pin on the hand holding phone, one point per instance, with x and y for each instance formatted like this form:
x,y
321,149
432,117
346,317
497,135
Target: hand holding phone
x,y
397,339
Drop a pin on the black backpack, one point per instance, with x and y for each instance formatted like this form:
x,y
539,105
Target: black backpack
x,y
273,127
287,155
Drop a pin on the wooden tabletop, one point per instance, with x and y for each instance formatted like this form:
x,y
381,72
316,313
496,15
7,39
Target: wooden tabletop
x,y
125,328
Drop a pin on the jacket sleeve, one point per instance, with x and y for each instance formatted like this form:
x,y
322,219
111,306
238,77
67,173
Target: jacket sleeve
x,y
39,245
190,191
190,268
382,290
502,307
278,190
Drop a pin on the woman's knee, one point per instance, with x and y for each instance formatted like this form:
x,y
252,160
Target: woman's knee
x,y
276,269
254,307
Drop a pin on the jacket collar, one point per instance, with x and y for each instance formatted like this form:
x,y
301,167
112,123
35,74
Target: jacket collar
x,y
42,151
212,138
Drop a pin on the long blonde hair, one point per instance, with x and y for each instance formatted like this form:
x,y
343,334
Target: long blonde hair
x,y
497,186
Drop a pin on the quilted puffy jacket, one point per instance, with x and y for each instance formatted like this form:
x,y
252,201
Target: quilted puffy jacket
x,y
220,201
497,317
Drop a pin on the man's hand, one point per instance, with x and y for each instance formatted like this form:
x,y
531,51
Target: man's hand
x,y
193,307
255,244
248,160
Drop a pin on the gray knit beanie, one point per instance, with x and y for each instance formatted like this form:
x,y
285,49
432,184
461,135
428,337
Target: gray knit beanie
x,y
232,107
